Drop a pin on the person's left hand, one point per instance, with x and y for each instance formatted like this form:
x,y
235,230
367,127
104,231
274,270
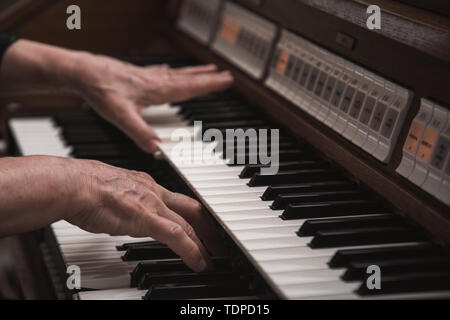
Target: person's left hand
x,y
118,91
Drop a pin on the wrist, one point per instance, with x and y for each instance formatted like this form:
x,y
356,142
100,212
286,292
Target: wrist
x,y
70,74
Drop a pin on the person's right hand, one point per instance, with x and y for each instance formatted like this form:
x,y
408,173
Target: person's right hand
x,y
119,91
122,202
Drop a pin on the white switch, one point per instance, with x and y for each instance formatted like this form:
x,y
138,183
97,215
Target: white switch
x,y
393,123
366,114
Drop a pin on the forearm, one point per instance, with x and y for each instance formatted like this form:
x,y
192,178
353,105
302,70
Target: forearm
x,y
30,196
31,65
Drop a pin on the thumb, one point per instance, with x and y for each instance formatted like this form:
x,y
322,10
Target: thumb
x,y
135,127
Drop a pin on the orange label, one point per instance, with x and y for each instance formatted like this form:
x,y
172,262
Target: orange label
x,y
230,31
427,144
284,57
412,141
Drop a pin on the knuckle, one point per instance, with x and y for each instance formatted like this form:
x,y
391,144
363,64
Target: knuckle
x,y
197,206
176,231
189,231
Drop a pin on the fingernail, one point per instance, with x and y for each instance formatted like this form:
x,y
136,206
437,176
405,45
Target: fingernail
x,y
152,146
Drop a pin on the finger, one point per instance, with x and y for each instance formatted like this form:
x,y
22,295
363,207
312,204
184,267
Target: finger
x,y
139,131
158,68
188,209
165,212
196,215
187,86
175,237
197,69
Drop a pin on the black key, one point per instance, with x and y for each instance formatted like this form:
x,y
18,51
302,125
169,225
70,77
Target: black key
x,y
282,203
343,258
286,177
358,270
208,290
283,155
172,266
148,253
273,191
251,169
406,283
364,236
149,280
255,147
148,244
310,227
281,141
331,209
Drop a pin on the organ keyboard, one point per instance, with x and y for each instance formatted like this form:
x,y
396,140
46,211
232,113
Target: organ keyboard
x,y
309,231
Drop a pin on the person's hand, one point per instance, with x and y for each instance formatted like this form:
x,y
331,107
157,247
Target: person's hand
x,y
39,190
122,202
118,91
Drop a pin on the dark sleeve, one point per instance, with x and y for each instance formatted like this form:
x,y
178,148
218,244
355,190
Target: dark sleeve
x,y
6,41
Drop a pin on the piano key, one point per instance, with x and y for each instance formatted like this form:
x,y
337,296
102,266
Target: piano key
x,y
343,258
357,270
113,294
303,252
255,218
147,253
404,283
293,176
305,276
347,237
231,191
152,243
310,227
172,266
311,290
265,233
331,209
238,206
318,197
149,280
431,295
295,264
210,290
273,191
250,169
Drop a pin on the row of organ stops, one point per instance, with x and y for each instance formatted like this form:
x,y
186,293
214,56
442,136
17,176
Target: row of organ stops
x,y
305,187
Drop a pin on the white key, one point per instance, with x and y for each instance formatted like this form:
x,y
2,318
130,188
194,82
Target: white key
x,y
116,294
306,276
309,290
